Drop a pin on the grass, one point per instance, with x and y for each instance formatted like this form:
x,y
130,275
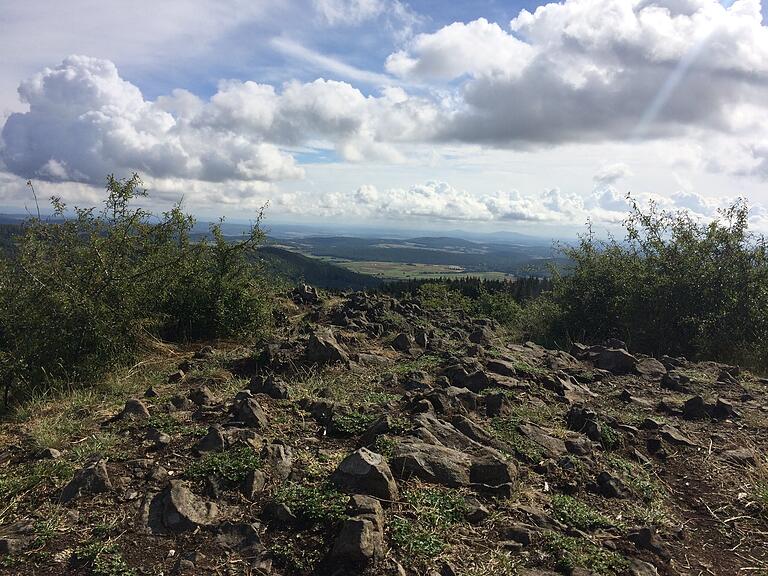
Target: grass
x,y
352,423
577,514
505,429
300,552
425,531
569,553
318,504
19,480
384,445
169,424
233,464
103,559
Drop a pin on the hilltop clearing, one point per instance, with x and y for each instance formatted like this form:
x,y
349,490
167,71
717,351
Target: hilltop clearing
x,y
371,435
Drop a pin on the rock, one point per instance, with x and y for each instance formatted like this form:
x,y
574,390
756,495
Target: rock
x,y
365,472
204,353
640,568
403,342
518,533
241,536
305,294
358,542
253,485
279,513
584,420
134,409
158,438
650,368
497,404
48,454
676,381
202,396
482,335
10,545
176,377
695,409
150,392
475,511
722,410
554,447
431,463
270,386
646,539
580,446
323,348
280,458
674,436
743,456
213,441
492,472
609,486
615,360
362,505
501,367
249,412
182,510
91,479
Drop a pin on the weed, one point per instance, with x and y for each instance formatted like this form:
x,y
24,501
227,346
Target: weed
x,y
104,443
295,552
384,445
505,429
609,437
414,540
169,424
578,514
103,559
232,465
321,504
435,507
569,553
352,423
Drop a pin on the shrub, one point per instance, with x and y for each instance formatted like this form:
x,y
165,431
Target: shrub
x,y
675,285
81,291
440,296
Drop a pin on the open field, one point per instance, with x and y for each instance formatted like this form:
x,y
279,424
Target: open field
x,y
402,270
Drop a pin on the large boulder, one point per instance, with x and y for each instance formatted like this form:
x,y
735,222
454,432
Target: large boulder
x,y
431,463
365,472
615,360
323,348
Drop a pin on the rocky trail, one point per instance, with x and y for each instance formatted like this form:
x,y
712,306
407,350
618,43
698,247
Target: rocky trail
x,y
372,436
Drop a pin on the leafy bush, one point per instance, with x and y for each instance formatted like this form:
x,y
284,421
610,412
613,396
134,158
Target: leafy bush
x,y
674,285
440,296
81,291
233,464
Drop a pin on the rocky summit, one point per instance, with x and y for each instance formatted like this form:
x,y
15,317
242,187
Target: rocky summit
x,y
372,436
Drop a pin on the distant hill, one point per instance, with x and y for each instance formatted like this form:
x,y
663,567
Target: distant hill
x,y
294,268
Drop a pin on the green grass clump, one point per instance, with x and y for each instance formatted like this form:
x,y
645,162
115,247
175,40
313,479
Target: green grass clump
x,y
17,481
414,540
432,513
103,559
352,423
384,445
569,553
505,429
609,437
578,514
320,504
233,465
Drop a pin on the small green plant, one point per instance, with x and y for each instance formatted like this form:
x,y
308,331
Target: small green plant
x,y
103,559
436,507
415,540
384,445
352,423
609,437
569,553
169,424
505,429
578,514
319,504
298,552
233,464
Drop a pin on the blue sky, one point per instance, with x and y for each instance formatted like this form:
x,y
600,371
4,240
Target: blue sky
x,y
422,113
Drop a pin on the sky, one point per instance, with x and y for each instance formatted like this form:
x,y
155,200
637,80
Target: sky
x,y
482,115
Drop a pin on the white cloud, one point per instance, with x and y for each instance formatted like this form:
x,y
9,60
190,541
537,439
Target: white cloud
x,y
349,11
591,70
84,121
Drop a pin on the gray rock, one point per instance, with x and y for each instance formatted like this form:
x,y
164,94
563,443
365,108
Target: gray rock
x,y
553,447
431,463
182,510
202,396
213,441
134,409
650,368
253,485
249,412
357,544
674,436
92,479
323,348
280,458
365,472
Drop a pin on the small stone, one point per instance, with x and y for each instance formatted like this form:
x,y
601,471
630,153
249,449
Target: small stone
x,y
183,510
176,377
475,511
213,441
150,393
253,485
134,409
91,479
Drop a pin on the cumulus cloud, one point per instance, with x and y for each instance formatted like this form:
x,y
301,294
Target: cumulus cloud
x,y
590,70
84,120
